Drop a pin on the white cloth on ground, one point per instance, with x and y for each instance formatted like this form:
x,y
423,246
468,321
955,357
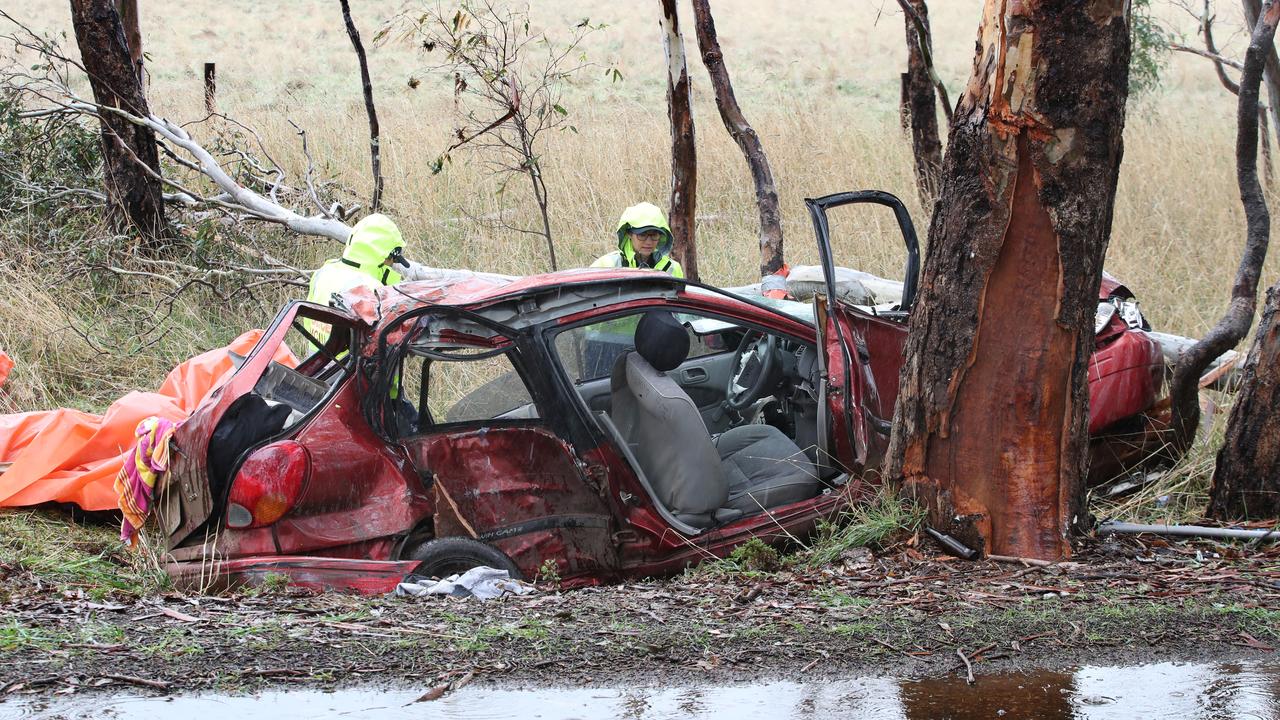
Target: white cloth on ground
x,y
481,582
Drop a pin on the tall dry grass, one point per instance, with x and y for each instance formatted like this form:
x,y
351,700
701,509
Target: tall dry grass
x,y
820,84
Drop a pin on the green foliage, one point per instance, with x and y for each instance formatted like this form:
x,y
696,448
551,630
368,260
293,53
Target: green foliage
x,y
549,573
1149,53
755,556
51,153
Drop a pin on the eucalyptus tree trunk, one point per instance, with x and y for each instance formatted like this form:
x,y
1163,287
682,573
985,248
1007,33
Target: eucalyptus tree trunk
x,y
990,428
1246,479
130,161
919,104
1184,387
771,255
684,160
128,10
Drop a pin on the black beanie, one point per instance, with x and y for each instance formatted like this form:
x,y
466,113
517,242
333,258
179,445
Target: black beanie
x,y
662,340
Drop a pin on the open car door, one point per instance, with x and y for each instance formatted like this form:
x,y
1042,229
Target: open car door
x,y
480,436
861,345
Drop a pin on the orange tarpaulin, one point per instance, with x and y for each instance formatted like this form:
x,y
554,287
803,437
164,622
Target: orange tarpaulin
x,y
72,456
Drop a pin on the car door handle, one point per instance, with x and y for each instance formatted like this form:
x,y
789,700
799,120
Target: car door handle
x,y
694,376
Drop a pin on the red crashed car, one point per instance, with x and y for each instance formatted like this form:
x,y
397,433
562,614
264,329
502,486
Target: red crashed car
x,y
604,423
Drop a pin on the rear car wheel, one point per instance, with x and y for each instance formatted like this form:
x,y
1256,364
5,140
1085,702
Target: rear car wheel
x,y
443,557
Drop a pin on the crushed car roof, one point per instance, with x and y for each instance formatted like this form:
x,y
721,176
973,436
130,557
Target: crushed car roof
x,y
463,288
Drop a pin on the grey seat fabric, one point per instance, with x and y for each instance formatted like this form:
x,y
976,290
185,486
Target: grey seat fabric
x,y
667,436
703,483
764,468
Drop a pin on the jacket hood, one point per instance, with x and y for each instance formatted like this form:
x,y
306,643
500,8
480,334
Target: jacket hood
x,y
372,240
641,216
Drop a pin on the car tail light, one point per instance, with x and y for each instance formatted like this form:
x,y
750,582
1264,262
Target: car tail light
x,y
268,484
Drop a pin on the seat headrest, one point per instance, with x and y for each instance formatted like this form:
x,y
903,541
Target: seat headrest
x,y
662,340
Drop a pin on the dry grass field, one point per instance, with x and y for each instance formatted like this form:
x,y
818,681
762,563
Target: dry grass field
x,y
818,81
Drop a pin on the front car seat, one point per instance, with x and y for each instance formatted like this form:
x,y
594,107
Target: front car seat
x,y
700,482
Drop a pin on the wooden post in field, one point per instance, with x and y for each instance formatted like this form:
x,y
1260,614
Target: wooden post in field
x,y
210,88
990,428
684,160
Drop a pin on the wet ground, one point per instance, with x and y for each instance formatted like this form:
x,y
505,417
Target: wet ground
x,y
1164,690
905,614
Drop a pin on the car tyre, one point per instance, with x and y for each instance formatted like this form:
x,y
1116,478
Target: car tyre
x,y
443,557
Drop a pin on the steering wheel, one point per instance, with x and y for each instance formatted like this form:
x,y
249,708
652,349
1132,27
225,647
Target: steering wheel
x,y
753,365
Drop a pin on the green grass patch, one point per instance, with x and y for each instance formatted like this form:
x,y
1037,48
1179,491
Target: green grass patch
x,y
69,555
870,524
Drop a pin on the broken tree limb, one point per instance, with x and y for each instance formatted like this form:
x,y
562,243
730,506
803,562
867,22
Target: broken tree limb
x,y
771,254
990,427
684,161
1234,324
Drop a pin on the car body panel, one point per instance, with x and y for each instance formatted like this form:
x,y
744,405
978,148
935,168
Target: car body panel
x,y
559,487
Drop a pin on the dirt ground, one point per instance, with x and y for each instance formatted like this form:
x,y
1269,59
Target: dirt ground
x,y
905,613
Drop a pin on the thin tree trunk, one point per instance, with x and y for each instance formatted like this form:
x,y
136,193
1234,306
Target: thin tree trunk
x,y
134,194
921,110
771,255
684,160
375,153
990,429
1271,73
1246,478
1184,387
128,10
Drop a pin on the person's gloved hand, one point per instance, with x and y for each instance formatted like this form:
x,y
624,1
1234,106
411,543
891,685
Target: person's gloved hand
x,y
410,270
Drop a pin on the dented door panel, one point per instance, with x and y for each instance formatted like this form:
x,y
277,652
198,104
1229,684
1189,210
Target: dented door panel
x,y
521,489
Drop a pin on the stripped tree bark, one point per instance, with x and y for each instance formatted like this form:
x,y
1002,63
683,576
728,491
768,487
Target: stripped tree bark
x,y
1246,477
771,255
1184,387
130,161
990,428
375,153
684,160
922,113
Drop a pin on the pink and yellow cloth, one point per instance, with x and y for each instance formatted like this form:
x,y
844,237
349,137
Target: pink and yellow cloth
x,y
144,467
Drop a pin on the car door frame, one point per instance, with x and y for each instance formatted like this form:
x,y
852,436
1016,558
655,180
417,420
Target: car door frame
x,y
859,407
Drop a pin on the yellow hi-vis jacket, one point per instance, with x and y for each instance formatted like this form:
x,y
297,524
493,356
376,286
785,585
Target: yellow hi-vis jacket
x,y
645,216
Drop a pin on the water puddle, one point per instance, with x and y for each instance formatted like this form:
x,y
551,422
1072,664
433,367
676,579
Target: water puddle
x,y
1161,690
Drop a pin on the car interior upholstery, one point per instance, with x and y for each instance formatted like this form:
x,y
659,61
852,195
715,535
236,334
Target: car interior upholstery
x,y
702,480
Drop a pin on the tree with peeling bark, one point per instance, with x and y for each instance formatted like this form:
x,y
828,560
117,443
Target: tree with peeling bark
x,y
366,86
918,102
130,160
771,247
990,429
684,160
1184,386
